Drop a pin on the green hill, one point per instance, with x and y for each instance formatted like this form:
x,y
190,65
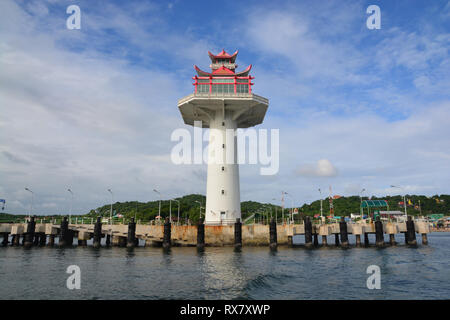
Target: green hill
x,y
343,206
189,208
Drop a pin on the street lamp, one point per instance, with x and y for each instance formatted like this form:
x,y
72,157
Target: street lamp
x,y
110,211
292,206
200,207
321,207
276,215
31,206
404,200
71,204
282,205
159,211
360,197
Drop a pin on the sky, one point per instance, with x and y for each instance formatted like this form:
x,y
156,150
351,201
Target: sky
x,y
94,108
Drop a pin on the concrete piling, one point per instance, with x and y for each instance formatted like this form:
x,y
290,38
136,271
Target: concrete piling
x,y
131,238
167,234
424,239
36,239
122,241
358,240
411,232
200,234
42,239
379,235
64,233
238,234
97,233
343,232
392,239
336,239
15,240
273,234
51,240
29,235
366,240
5,239
324,241
308,232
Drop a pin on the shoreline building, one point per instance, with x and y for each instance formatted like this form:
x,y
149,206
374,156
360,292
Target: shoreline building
x,y
223,101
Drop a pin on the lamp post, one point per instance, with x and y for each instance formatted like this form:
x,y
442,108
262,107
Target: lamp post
x,y
360,197
404,201
321,207
200,207
292,206
31,205
71,204
276,215
111,210
282,205
159,210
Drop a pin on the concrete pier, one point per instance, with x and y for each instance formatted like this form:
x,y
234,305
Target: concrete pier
x,y
411,232
238,234
187,235
131,239
308,232
200,234
29,235
273,234
344,233
97,233
167,234
379,235
64,233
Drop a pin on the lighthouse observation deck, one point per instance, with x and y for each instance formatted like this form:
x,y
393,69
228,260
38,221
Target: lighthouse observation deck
x,y
248,109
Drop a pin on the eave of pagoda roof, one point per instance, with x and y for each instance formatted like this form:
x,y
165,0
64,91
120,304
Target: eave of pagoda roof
x,y
223,55
223,71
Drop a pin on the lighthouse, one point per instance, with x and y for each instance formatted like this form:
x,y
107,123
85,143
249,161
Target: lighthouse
x,y
223,101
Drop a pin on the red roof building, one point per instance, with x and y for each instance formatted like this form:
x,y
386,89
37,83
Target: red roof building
x,y
223,64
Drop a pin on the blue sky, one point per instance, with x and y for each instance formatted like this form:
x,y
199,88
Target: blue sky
x,y
94,108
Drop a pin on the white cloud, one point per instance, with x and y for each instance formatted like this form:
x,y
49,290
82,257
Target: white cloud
x,y
323,168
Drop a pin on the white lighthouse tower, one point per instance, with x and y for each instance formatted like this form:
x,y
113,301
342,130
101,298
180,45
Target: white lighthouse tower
x,y
223,101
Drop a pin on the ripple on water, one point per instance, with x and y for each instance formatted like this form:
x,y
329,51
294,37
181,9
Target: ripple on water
x,y
221,273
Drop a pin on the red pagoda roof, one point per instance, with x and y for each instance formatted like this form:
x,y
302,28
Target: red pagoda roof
x,y
223,55
223,71
225,67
